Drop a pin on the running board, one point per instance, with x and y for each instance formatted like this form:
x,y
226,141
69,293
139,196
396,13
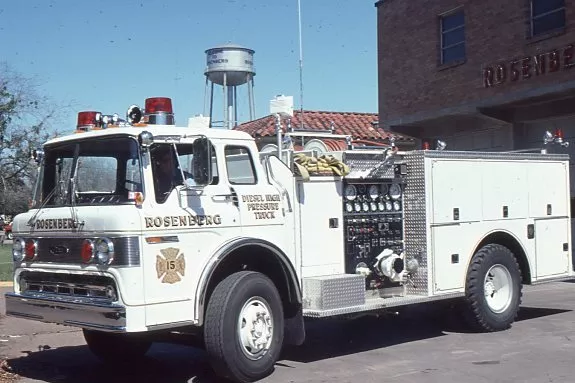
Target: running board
x,y
342,294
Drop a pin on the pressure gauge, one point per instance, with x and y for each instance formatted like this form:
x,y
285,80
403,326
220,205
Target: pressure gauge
x,y
350,192
357,207
396,205
384,190
365,206
395,191
373,206
381,206
373,192
388,206
348,207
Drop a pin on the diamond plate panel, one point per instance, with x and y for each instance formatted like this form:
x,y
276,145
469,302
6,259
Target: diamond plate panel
x,y
370,165
379,304
333,292
416,222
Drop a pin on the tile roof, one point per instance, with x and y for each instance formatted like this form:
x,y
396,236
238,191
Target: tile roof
x,y
358,125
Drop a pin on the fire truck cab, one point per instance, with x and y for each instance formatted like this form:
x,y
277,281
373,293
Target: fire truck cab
x,y
141,228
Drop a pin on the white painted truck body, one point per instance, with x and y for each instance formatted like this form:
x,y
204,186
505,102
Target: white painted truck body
x,y
323,243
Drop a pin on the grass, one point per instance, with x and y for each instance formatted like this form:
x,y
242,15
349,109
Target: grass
x,y
6,262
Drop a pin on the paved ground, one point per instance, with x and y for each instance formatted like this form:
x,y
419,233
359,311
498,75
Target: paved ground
x,y
417,347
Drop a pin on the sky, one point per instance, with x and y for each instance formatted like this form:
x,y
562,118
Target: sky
x,y
106,55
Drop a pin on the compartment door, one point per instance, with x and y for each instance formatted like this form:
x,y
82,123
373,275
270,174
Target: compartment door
x,y
551,235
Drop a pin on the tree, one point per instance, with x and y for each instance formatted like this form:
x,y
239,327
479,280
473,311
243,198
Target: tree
x,y
26,121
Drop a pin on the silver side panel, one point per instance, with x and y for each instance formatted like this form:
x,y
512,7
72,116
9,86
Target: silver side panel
x,y
375,304
416,222
489,155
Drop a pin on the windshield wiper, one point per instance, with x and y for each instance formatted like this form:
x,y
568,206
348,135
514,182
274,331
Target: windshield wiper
x,y
73,187
32,219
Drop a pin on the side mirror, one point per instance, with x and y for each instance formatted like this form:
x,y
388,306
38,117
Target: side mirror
x,y
202,161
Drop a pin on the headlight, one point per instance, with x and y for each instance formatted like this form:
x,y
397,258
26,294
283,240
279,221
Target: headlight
x,y
18,250
104,251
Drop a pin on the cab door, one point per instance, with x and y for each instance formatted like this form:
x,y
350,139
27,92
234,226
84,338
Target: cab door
x,y
263,210
181,233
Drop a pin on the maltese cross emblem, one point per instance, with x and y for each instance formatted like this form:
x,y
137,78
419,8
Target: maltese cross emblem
x,y
171,265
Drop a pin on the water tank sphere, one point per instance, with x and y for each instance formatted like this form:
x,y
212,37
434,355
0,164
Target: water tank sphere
x,y
235,61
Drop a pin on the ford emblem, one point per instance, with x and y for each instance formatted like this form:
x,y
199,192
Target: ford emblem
x,y
59,250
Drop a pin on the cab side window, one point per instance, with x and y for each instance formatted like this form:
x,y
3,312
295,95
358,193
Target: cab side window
x,y
185,156
240,166
168,166
165,171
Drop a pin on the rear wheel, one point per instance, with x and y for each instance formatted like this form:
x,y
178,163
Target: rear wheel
x,y
117,348
493,289
244,327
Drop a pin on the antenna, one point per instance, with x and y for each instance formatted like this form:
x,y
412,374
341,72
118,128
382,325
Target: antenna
x,y
300,63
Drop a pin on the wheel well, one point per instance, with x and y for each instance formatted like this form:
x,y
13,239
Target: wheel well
x,y
265,261
507,240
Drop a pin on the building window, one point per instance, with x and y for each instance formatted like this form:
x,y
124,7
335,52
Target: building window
x,y
547,16
452,37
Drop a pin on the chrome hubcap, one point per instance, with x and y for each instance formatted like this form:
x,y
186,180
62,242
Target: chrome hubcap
x,y
498,288
255,328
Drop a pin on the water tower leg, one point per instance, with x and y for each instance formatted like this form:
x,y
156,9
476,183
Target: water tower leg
x,y
206,95
225,88
251,97
230,110
211,104
235,106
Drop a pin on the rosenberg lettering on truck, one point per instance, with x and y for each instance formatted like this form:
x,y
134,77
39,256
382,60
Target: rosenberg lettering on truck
x,y
184,220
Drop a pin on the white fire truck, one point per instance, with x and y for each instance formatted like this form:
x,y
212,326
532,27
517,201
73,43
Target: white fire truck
x,y
140,228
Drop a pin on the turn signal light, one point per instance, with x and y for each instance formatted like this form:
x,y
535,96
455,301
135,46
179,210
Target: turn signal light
x,y
87,251
30,250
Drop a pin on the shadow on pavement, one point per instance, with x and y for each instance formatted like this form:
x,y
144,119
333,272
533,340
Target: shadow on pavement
x,y
163,364
526,313
329,338
332,338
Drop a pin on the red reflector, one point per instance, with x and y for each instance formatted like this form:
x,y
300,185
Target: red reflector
x,y
559,133
30,250
425,145
158,105
88,118
87,251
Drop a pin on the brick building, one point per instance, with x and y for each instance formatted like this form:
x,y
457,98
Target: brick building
x,y
480,75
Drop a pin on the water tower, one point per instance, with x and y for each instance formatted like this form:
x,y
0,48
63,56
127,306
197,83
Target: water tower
x,y
229,66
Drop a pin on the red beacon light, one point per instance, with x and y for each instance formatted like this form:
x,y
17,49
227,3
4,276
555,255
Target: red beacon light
x,y
159,111
88,120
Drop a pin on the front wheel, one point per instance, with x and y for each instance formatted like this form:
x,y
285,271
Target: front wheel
x,y
244,327
493,289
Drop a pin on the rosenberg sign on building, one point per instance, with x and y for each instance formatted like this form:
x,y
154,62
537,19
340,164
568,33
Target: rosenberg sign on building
x,y
529,66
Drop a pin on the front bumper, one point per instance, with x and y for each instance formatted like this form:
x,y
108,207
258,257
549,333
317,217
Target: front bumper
x,y
71,311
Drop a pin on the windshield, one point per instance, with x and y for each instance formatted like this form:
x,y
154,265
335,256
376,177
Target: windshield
x,y
106,171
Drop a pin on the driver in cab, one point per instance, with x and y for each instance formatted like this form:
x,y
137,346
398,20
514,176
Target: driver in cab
x,y
165,171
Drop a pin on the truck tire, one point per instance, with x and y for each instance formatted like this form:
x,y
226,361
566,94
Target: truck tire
x,y
244,327
116,348
493,289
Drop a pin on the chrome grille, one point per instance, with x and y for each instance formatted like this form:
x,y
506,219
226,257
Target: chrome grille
x,y
69,285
